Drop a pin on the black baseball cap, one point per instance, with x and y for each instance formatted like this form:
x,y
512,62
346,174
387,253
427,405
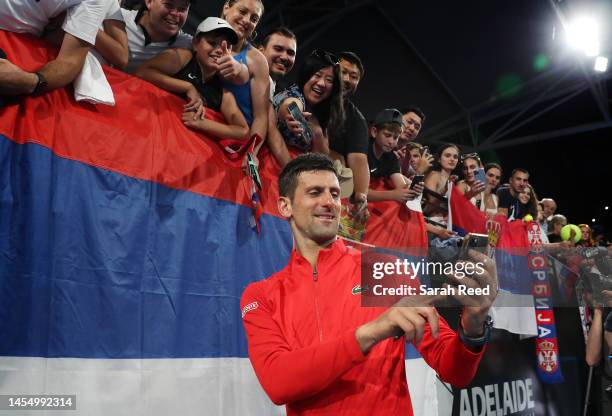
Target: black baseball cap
x,y
388,115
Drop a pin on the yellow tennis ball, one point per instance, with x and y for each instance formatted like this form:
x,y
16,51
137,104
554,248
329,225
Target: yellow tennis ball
x,y
566,232
528,218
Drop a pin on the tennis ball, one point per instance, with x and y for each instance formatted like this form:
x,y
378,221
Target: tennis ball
x,y
566,232
528,218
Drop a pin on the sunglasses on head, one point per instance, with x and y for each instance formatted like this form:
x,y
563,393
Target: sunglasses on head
x,y
469,156
325,56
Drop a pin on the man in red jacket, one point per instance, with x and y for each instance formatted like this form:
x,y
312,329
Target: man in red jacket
x,y
311,343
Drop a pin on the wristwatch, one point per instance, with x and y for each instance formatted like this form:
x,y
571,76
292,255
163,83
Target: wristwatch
x,y
480,341
41,85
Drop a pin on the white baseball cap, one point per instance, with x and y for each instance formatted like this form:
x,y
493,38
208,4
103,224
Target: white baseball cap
x,y
211,24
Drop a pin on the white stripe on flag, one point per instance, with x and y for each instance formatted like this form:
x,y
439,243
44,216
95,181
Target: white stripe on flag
x,y
519,317
161,387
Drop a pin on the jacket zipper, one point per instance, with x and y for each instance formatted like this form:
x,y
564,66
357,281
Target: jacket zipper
x,y
315,278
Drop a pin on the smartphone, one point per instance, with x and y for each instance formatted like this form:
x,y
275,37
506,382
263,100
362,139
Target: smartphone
x,y
253,171
417,179
297,115
479,175
478,242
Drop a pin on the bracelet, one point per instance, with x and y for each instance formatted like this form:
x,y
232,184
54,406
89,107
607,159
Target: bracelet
x,y
480,341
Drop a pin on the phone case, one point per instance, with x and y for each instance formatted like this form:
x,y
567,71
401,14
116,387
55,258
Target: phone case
x,y
298,116
349,227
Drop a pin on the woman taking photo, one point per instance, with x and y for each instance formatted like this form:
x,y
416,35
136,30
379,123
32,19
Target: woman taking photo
x,y
471,188
480,194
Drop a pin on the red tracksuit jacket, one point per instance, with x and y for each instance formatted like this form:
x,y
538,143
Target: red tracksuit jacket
x,y
301,327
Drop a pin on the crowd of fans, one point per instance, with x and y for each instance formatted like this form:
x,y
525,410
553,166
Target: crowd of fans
x,y
221,69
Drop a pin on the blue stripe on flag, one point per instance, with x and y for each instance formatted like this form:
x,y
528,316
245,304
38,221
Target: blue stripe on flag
x,y
95,264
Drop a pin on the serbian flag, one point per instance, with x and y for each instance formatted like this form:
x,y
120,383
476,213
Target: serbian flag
x,y
394,225
125,245
513,307
466,218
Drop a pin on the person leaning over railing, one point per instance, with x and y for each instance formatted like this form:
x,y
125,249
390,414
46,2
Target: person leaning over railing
x,y
244,71
192,74
318,96
382,162
154,27
81,30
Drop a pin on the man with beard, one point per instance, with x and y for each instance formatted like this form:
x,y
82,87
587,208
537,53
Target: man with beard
x,y
351,146
509,204
279,47
312,344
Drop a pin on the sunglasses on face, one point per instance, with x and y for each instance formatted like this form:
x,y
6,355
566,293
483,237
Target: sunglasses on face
x,y
326,56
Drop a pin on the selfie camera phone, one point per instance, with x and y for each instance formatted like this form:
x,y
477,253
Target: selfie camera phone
x,y
479,175
417,179
478,242
297,115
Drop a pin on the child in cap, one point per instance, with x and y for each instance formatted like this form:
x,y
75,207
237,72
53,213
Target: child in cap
x,y
383,163
192,74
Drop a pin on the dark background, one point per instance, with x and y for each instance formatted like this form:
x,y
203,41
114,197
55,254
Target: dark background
x,y
476,63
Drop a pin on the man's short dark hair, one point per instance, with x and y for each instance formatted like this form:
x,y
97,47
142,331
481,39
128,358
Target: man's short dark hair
x,y
354,59
519,170
416,110
308,162
281,30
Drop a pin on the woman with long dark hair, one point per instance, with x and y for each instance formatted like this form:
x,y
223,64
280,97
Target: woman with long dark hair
x,y
443,171
482,195
528,198
318,96
468,185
